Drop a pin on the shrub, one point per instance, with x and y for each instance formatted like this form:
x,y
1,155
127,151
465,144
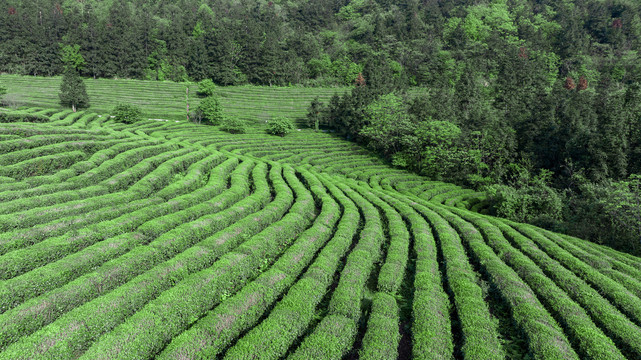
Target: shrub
x,y
233,125
126,113
206,88
210,110
530,200
280,126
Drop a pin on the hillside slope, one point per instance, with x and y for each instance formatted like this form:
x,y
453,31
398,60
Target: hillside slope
x,y
171,240
167,100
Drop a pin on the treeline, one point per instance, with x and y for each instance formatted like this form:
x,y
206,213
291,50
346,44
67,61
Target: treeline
x,y
323,42
419,42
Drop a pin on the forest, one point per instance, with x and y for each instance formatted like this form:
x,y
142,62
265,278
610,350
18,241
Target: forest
x,y
538,103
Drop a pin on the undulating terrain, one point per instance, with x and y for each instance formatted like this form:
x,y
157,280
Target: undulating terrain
x,y
174,240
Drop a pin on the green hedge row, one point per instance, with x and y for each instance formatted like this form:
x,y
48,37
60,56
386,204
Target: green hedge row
x,y
382,336
89,184
67,120
447,196
22,117
164,317
199,218
431,328
392,271
91,198
84,120
622,261
21,238
42,165
194,178
618,295
346,300
480,333
47,184
60,115
145,287
29,129
88,146
242,311
621,272
290,316
625,332
30,142
19,261
587,338
546,340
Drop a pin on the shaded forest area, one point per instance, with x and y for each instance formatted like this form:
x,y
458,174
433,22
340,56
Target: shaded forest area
x,y
537,102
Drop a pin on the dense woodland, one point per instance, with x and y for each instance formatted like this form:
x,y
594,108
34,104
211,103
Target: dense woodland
x,y
538,102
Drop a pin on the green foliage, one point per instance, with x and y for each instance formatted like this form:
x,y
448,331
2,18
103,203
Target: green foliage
x,y
126,113
280,126
389,126
71,57
73,92
206,88
314,114
19,116
528,199
607,213
624,205
233,125
482,20
211,110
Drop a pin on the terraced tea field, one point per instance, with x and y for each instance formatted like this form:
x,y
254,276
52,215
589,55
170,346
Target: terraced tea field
x,y
176,241
166,100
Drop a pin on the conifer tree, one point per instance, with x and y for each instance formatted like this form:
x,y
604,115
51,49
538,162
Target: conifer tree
x,y
73,92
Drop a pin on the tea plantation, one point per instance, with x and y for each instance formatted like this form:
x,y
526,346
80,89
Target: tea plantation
x,y
173,240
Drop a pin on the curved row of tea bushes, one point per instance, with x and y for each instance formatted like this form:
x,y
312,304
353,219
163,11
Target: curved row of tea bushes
x,y
627,275
621,261
70,118
165,265
94,182
293,313
545,338
615,292
612,321
42,165
382,336
21,260
480,333
45,184
345,304
63,271
161,320
431,327
23,237
243,310
587,338
18,143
